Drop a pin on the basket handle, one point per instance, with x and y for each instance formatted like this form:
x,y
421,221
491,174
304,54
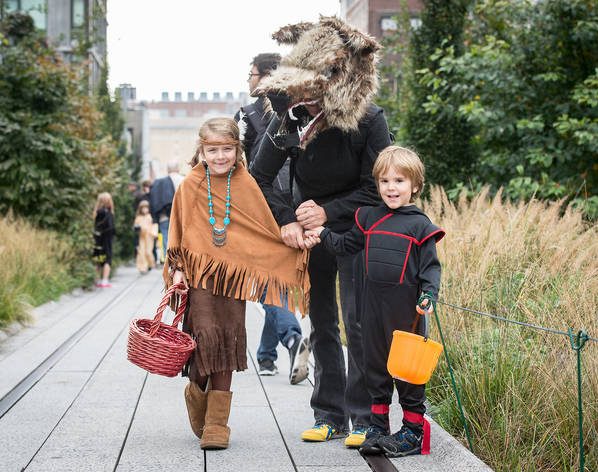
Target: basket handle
x,y
164,303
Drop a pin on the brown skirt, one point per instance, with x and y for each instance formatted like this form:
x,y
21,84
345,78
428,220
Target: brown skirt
x,y
217,324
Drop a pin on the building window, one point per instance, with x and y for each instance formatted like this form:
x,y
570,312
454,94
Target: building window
x,y
10,6
415,22
37,9
78,14
388,24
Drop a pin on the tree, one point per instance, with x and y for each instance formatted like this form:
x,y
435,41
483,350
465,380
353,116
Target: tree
x,y
55,155
527,84
441,136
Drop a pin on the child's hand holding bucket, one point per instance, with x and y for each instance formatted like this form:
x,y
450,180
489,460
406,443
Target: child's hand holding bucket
x,y
425,304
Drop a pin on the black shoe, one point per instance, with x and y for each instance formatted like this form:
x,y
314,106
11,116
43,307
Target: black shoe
x,y
299,354
402,443
267,367
370,446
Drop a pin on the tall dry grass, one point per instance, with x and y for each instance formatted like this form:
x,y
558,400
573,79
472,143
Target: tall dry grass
x,y
34,268
530,262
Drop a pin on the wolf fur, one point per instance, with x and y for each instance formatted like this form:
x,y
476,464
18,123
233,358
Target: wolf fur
x,y
331,62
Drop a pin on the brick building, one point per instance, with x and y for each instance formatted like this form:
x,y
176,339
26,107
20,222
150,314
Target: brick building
x,y
158,132
375,17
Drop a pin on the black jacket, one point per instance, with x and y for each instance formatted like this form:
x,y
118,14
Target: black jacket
x,y
399,246
253,121
335,170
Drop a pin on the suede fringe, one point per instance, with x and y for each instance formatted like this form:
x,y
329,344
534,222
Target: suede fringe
x,y
240,282
219,350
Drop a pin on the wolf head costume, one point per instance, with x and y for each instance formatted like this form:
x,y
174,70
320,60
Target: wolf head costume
x,y
332,65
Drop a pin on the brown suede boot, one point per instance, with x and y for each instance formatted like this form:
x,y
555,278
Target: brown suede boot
x,y
216,432
197,401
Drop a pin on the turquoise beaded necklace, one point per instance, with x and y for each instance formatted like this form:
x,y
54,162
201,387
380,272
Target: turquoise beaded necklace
x,y
219,234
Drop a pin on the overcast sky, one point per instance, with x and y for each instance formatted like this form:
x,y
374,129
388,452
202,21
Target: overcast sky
x,y
196,45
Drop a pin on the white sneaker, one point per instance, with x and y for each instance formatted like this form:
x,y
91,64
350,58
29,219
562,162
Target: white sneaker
x,y
299,353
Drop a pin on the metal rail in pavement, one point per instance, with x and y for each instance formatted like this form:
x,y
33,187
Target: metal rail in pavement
x,y
20,390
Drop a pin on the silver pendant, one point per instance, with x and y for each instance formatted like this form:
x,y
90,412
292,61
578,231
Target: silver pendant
x,y
219,236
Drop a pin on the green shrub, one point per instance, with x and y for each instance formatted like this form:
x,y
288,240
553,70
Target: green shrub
x,y
36,267
57,152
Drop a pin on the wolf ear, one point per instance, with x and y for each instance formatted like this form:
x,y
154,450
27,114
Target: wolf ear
x,y
290,34
359,42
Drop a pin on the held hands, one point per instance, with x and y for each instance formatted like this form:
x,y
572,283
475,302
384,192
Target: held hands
x,y
310,215
294,236
312,236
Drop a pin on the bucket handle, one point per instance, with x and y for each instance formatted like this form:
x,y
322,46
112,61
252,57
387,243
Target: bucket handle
x,y
165,302
426,325
425,314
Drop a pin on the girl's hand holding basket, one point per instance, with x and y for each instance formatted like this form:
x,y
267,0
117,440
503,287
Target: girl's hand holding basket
x,y
158,347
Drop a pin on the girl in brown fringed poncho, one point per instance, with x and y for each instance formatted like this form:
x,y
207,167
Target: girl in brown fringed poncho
x,y
225,245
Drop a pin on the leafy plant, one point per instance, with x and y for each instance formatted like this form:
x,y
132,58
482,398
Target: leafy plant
x,y
527,84
59,144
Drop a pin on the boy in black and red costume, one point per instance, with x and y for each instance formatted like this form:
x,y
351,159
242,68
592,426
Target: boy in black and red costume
x,y
400,277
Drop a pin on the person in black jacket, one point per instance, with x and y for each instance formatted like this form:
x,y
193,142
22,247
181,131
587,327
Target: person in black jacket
x,y
103,233
280,325
331,178
399,282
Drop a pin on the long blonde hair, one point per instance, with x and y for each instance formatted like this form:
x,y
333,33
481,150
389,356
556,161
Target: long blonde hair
x,y
225,128
104,201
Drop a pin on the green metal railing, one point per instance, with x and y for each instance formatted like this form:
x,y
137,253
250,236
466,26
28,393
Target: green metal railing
x,y
577,343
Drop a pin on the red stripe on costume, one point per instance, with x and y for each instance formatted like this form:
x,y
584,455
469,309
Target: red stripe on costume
x,y
426,438
396,235
357,220
405,264
416,418
413,417
380,409
380,221
439,233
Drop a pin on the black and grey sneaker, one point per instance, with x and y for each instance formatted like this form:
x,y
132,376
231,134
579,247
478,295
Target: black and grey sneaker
x,y
370,446
267,367
402,443
299,354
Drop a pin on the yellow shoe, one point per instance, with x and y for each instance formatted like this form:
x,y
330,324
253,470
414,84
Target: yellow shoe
x,y
319,433
356,438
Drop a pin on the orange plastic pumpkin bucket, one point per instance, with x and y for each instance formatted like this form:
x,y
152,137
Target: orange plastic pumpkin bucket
x,y
412,357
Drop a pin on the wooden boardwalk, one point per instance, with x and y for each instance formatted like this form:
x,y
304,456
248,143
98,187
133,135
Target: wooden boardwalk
x,y
70,401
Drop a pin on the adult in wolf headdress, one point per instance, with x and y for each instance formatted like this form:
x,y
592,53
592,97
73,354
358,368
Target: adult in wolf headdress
x,y
326,123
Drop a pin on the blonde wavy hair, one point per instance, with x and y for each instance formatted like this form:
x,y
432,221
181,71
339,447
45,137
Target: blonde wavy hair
x,y
226,130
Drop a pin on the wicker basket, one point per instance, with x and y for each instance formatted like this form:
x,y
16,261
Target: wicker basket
x,y
158,347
